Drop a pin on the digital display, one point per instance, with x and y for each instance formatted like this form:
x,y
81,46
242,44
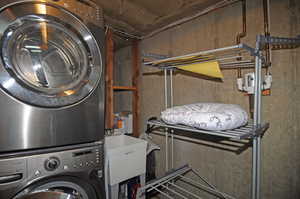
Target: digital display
x,y
82,153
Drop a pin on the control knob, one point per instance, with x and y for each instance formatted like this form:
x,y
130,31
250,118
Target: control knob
x,y
52,163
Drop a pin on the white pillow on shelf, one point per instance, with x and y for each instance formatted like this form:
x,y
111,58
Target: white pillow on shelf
x,y
207,116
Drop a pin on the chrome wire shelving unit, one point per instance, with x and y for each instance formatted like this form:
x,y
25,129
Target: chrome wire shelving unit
x,y
245,132
237,56
175,184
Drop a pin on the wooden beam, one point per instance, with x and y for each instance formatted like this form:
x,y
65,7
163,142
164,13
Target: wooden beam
x,y
135,84
109,114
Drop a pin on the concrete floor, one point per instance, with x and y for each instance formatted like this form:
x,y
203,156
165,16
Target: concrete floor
x,y
229,171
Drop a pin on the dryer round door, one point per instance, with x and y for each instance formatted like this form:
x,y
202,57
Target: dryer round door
x,y
49,58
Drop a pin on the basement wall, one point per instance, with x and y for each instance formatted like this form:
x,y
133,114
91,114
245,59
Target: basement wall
x,y
230,169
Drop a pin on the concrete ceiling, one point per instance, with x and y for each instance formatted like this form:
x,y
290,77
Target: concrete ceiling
x,y
140,17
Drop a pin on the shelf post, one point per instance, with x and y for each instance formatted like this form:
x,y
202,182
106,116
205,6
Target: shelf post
x,y
166,129
256,151
169,102
172,104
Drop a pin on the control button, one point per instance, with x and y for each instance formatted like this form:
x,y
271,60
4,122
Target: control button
x,y
37,173
81,164
52,163
66,167
100,173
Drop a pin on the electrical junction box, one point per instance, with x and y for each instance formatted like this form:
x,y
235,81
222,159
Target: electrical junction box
x,y
247,84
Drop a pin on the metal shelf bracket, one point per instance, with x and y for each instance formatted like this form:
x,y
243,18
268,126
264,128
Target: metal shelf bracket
x,y
278,42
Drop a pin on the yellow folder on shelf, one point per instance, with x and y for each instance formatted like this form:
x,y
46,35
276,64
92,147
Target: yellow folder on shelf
x,y
209,68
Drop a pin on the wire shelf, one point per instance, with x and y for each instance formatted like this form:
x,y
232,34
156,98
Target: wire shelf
x,y
236,56
168,186
245,132
278,43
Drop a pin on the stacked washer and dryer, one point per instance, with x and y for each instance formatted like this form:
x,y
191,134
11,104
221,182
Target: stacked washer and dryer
x,y
51,98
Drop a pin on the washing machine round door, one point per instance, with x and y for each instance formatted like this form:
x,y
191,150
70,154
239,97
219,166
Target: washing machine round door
x,y
49,195
59,188
49,58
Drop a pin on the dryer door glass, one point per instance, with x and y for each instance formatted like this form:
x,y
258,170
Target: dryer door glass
x,y
49,57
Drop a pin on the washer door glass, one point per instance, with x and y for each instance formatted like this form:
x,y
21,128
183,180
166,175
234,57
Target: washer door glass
x,y
49,58
50,195
58,189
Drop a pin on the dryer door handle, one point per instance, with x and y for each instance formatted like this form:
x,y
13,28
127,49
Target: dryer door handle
x,y
10,178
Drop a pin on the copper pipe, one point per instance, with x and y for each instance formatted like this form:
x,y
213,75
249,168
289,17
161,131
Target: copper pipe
x,y
239,71
244,31
267,32
251,106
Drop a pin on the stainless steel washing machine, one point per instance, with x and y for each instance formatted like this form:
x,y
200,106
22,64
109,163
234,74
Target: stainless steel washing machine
x,y
51,73
64,172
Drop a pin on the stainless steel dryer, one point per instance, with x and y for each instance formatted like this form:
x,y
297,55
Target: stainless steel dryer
x,y
63,172
51,73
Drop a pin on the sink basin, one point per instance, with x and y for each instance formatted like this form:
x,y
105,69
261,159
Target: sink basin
x,y
126,157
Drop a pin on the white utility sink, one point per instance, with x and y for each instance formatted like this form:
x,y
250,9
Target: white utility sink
x,y
125,158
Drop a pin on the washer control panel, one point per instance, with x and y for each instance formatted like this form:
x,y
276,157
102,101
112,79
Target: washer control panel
x,y
76,160
52,163
86,158
43,163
